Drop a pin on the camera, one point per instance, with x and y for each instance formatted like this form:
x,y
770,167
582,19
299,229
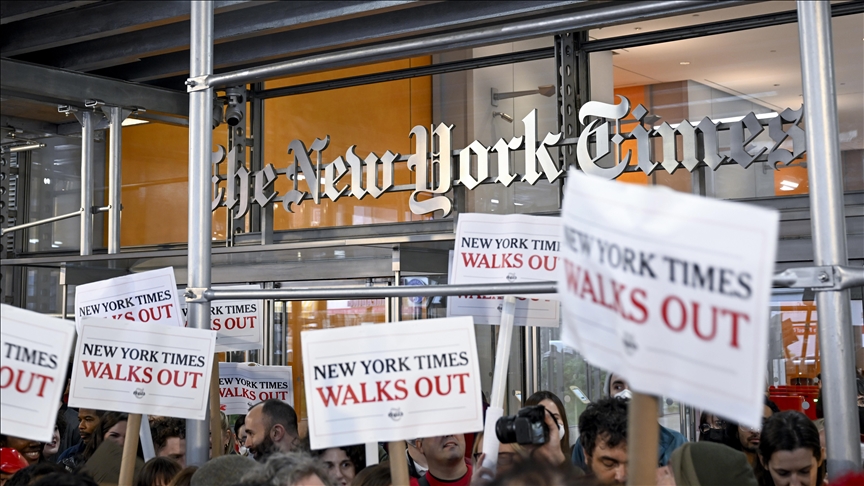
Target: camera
x,y
528,426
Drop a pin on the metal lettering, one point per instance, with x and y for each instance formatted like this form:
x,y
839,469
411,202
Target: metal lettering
x,y
538,154
263,180
799,140
386,162
739,142
599,130
505,166
434,176
332,173
465,177
237,185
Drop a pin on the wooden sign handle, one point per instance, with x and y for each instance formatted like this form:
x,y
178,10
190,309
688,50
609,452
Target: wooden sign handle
x,y
398,463
130,450
642,438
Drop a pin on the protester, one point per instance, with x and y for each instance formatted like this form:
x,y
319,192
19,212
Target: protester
x,y
537,473
158,471
746,439
617,386
603,437
240,435
227,437
508,455
445,456
706,464
114,427
790,452
553,404
417,465
285,469
65,479
11,461
377,475
222,471
51,449
711,428
169,438
31,450
69,435
342,463
88,421
184,477
104,465
31,474
271,426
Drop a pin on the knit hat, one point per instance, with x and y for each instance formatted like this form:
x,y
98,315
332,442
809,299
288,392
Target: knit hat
x,y
222,471
710,464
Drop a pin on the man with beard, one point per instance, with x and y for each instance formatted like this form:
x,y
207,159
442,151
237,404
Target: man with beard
x,y
169,438
603,436
271,426
445,456
746,439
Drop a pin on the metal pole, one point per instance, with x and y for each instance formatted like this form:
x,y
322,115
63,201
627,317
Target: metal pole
x,y
829,237
40,222
200,147
86,183
114,178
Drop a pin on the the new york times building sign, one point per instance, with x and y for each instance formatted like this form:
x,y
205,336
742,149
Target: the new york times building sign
x,y
438,167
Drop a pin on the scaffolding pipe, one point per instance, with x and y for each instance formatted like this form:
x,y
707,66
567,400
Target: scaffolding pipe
x,y
86,183
828,224
40,222
605,15
200,148
114,178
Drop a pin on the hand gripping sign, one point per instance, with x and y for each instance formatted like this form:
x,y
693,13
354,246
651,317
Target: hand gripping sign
x,y
242,385
35,352
138,367
389,382
239,323
669,290
142,297
494,248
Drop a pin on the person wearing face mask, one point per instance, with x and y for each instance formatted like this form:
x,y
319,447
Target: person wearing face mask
x,y
616,386
790,452
240,434
553,405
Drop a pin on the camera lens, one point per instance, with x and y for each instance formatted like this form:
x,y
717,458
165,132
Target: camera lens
x,y
505,429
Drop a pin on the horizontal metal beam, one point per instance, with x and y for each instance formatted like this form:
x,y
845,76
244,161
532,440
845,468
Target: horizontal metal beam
x,y
250,22
40,222
95,21
387,26
41,128
52,85
602,15
445,67
18,10
374,292
713,28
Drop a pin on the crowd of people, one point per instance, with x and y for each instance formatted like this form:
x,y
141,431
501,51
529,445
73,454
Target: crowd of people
x,y
265,447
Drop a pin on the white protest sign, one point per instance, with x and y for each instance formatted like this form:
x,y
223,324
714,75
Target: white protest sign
x,y
142,368
35,352
494,248
143,297
389,382
239,323
670,290
242,385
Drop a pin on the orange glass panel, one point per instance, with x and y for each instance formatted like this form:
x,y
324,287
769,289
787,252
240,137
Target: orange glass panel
x,y
800,340
793,180
636,95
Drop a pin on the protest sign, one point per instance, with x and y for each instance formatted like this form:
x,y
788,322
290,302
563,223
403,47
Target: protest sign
x,y
35,352
242,385
669,290
138,367
389,382
238,323
494,248
143,297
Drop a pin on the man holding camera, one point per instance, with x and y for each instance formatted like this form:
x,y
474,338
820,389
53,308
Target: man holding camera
x,y
445,456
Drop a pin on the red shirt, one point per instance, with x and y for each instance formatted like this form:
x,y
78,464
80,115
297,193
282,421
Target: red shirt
x,y
433,481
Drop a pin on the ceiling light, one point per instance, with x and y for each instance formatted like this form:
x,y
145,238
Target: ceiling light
x,y
133,121
494,201
684,63
788,185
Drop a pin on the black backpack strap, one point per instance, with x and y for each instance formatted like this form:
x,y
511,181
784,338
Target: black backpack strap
x,y
423,481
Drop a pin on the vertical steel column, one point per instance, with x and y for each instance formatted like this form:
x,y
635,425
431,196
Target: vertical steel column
x,y
114,178
86,120
200,217
829,236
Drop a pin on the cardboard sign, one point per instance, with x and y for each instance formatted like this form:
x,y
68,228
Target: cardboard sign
x,y
142,297
389,382
140,367
239,324
669,290
494,248
35,352
242,385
